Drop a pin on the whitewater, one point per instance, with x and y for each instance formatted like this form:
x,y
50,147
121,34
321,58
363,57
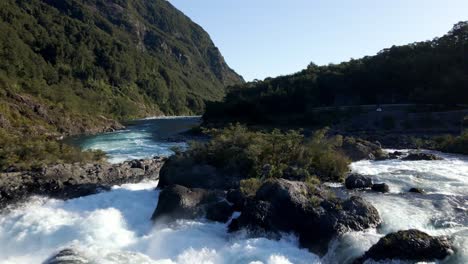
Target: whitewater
x,y
115,226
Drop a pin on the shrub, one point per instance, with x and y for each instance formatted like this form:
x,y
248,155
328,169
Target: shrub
x,y
453,144
249,187
315,200
25,153
237,150
312,182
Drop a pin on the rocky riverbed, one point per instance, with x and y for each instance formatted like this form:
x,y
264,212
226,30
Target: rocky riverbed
x,y
317,215
197,217
67,181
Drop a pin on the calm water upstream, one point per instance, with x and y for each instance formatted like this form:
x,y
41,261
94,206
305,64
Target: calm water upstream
x,y
141,139
115,226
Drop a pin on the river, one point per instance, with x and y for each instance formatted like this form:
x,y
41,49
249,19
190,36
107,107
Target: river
x,y
115,226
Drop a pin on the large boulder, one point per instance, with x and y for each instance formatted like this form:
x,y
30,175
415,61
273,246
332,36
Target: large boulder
x,y
67,256
416,156
358,149
66,181
357,181
219,211
183,170
381,187
178,202
412,245
290,206
395,155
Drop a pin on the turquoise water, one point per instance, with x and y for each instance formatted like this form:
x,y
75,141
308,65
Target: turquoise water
x,y
141,139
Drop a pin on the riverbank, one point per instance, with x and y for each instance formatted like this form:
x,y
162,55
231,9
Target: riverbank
x,y
67,181
115,226
31,132
200,196
123,156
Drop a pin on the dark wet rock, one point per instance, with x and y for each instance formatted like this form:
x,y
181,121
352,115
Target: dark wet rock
x,y
394,155
176,139
237,198
378,143
417,190
381,187
178,202
358,149
290,206
412,245
185,171
220,211
357,181
421,156
67,256
66,181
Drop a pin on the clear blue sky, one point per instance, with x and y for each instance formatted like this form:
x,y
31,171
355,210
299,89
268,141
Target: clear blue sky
x,y
262,38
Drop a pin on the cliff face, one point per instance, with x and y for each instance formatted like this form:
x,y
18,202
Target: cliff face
x,y
70,66
158,26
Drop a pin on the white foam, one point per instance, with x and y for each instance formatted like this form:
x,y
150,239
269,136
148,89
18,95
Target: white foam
x,y
448,176
350,246
128,145
443,211
115,227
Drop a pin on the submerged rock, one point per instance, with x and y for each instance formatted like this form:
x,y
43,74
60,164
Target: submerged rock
x,y
410,245
178,202
421,156
357,181
417,190
394,155
290,206
67,256
66,181
381,187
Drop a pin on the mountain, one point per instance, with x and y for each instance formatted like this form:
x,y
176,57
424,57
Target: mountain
x,y
429,72
75,66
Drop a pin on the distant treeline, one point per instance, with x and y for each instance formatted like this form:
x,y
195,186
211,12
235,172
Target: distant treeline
x,y
429,72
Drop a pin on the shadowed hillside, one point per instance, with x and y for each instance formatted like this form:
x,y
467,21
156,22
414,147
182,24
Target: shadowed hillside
x,y
432,72
80,66
69,66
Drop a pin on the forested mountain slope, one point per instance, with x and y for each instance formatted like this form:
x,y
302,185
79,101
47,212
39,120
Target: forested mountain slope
x,y
429,72
71,66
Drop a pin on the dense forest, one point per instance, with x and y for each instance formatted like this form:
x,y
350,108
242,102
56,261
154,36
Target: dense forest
x,y
429,72
85,61
78,66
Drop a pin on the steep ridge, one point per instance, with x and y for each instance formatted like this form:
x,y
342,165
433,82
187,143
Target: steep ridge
x,y
72,66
